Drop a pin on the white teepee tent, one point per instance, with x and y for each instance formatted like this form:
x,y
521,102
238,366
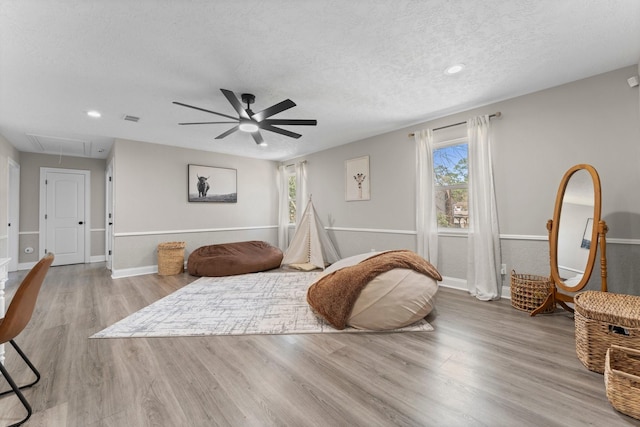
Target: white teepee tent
x,y
310,247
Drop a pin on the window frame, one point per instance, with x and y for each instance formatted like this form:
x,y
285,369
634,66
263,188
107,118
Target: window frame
x,y
458,232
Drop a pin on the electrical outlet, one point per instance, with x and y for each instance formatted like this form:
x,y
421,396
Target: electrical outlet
x,y
503,269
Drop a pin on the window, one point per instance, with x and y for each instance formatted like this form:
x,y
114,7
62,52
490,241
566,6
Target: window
x,y
450,166
291,180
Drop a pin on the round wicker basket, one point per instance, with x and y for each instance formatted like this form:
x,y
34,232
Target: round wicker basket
x,y
529,292
171,258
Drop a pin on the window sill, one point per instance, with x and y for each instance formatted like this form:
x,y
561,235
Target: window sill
x,y
462,232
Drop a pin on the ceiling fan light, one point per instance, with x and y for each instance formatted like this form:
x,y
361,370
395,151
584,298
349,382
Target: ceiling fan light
x,y
263,144
248,126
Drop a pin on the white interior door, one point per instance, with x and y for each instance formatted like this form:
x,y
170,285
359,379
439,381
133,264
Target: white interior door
x,y
65,225
14,214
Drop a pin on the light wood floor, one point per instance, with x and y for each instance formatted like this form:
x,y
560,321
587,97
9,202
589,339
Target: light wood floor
x,y
486,364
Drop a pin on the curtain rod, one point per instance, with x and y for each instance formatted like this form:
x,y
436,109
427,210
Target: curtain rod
x,y
293,164
498,114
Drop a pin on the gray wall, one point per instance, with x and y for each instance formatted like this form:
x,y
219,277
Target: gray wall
x,y
539,137
151,206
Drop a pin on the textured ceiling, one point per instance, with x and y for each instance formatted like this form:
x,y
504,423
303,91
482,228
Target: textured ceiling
x,y
359,67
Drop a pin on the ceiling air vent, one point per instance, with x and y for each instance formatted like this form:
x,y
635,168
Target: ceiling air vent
x,y
131,118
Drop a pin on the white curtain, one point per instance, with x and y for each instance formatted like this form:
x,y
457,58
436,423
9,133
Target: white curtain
x,y
283,208
283,200
426,220
483,264
301,190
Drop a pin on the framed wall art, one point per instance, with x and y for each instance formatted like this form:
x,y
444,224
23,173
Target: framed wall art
x,y
212,184
357,179
586,236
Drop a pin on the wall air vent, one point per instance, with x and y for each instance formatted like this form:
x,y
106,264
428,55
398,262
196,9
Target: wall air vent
x,y
131,118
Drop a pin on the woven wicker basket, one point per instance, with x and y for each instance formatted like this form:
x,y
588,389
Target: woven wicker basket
x,y
529,292
171,258
604,319
622,379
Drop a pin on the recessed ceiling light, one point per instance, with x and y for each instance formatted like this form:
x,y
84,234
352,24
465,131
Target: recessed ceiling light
x,y
454,69
93,113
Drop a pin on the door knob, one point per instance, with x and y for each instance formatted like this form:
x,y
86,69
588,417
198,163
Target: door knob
x,y
81,222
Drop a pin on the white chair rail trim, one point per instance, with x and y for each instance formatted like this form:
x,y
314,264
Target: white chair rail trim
x,y
371,230
201,230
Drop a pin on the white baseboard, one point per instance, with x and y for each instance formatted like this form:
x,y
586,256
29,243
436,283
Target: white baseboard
x,y
506,292
136,271
461,285
30,265
26,265
453,283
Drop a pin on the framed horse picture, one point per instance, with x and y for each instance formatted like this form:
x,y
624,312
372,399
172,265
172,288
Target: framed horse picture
x,y
212,184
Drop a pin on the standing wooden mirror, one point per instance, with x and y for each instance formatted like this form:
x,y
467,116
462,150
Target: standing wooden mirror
x,y
574,234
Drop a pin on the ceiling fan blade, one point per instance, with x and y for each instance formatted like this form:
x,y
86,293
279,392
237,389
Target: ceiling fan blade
x,y
233,100
280,131
257,138
274,109
205,123
227,133
206,111
299,122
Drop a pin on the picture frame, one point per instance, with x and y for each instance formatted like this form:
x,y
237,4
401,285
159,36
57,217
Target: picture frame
x,y
586,235
357,185
212,184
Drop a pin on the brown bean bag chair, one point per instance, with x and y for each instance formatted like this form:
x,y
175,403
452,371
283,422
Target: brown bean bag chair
x,y
228,259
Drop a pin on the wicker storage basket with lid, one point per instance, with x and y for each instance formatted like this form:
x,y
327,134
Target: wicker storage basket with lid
x,y
171,258
604,319
529,292
622,379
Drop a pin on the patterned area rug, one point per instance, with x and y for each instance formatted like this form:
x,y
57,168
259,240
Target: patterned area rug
x,y
259,303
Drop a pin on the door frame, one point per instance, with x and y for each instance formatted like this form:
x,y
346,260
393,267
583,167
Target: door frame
x,y
108,216
13,214
87,209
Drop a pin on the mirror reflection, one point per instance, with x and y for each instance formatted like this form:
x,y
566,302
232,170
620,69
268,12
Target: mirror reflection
x,y
575,230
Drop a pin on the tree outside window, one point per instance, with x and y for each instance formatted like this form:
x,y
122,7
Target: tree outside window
x,y
450,164
292,198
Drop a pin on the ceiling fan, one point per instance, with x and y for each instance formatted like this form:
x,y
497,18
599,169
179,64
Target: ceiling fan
x,y
248,121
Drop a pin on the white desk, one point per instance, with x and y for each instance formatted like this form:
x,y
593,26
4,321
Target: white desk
x,y
4,276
